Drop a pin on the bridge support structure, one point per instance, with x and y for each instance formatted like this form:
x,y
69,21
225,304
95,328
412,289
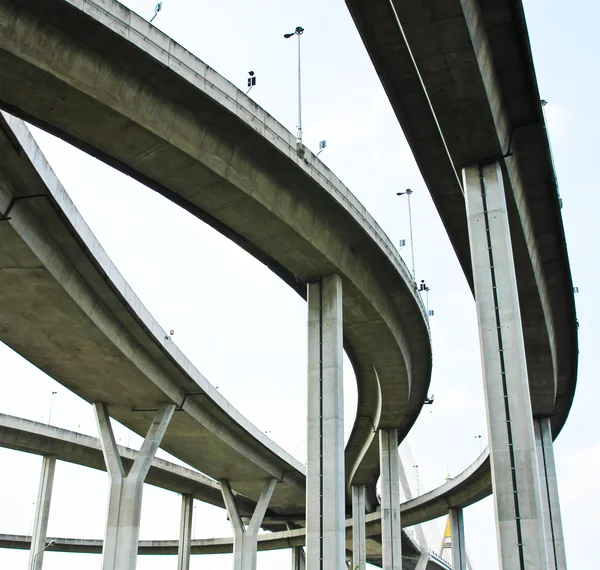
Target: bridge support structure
x,y
553,531
359,539
391,529
457,533
298,558
515,477
185,532
42,512
125,497
245,539
325,500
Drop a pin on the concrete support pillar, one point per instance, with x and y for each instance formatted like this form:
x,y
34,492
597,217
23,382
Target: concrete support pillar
x,y
42,512
245,539
359,539
125,498
325,501
515,480
185,532
298,558
391,530
555,542
457,535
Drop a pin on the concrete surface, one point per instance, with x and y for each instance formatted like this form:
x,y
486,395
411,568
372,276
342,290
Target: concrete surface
x,y
245,538
42,512
391,529
23,435
515,476
170,121
325,492
122,531
185,532
460,77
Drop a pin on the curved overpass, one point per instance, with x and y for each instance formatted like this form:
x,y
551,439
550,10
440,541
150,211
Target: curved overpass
x,y
108,82
459,75
468,487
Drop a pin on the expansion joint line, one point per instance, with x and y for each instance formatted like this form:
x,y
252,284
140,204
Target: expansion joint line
x,y
548,494
321,451
511,450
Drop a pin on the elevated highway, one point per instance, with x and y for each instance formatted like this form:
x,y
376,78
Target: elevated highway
x,y
27,436
460,78
108,82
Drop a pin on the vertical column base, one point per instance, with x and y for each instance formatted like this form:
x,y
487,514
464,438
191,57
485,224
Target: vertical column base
x,y
325,484
245,539
391,529
553,531
119,551
185,532
42,512
359,540
457,534
515,479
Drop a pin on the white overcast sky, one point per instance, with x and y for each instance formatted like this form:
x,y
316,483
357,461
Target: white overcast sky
x,y
246,331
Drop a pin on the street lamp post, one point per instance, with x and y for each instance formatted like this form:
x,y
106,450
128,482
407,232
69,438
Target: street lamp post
x,y
40,551
408,192
298,32
51,403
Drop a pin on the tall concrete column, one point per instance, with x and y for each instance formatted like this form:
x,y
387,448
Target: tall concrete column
x,y
298,558
120,548
457,534
325,501
515,480
185,532
555,542
359,539
245,539
42,512
391,530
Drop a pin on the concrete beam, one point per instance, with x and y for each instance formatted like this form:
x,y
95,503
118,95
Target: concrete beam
x,y
245,539
391,530
125,499
515,478
325,493
553,531
185,532
42,513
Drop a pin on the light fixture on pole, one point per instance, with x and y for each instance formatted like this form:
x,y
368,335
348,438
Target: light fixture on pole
x,y
322,146
298,32
251,81
157,9
42,550
51,403
408,192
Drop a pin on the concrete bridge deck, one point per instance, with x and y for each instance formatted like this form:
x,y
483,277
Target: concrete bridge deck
x,y
190,135
460,78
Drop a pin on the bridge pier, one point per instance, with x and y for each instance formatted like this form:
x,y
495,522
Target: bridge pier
x,y
325,493
245,539
515,478
125,498
555,542
391,529
298,558
359,540
457,534
185,532
42,512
